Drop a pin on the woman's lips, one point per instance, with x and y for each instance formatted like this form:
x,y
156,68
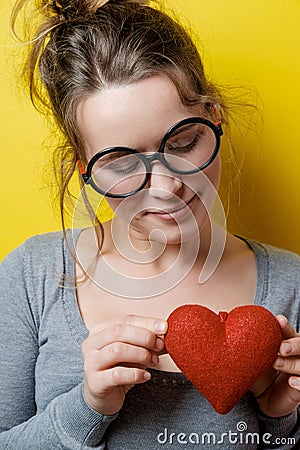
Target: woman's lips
x,y
175,214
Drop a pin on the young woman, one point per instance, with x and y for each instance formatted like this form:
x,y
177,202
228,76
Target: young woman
x,y
83,313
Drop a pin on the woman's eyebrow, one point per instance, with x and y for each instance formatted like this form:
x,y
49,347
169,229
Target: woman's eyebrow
x,y
186,128
114,155
141,149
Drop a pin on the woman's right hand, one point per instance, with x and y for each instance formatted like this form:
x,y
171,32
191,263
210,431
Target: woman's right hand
x,y
116,355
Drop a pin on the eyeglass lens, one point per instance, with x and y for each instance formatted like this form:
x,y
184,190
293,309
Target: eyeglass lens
x,y
120,172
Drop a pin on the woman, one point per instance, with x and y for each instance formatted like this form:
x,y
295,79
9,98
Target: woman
x,y
84,315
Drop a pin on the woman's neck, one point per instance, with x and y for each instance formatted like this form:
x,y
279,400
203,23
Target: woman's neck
x,y
153,255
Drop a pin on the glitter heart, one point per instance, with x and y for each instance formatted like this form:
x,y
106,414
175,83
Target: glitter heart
x,y
224,354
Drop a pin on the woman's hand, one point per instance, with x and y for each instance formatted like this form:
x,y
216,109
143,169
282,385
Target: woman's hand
x,y
278,392
115,357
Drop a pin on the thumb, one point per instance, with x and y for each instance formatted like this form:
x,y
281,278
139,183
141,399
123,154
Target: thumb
x,y
287,330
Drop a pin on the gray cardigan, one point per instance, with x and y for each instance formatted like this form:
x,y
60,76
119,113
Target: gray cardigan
x,y
41,372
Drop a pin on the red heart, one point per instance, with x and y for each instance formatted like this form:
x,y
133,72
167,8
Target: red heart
x,y
223,355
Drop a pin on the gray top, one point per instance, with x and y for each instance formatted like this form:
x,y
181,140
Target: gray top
x,y
41,400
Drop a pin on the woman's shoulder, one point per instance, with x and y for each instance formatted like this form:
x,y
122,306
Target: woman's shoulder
x,y
278,280
46,242
41,252
38,246
277,258
271,260
278,267
32,272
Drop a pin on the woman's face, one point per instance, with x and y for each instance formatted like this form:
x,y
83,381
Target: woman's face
x,y
138,116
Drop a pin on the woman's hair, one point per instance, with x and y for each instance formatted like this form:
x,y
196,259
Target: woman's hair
x,y
81,47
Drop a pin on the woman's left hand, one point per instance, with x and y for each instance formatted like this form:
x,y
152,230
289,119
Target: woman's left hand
x,y
278,391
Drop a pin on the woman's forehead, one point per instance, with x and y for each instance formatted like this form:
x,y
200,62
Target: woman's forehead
x,y
120,115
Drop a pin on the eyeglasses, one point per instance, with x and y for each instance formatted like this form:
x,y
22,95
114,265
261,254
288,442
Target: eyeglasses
x,y
188,147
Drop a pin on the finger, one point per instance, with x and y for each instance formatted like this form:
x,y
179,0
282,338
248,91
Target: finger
x,y
293,392
287,365
279,389
294,382
118,353
121,332
287,330
122,376
157,326
290,347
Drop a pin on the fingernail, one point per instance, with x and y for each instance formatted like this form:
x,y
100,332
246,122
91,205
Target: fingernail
x,y
286,347
155,358
146,376
159,344
279,362
282,320
295,382
160,326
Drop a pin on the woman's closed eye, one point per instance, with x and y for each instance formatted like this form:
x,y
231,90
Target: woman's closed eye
x,y
183,146
124,165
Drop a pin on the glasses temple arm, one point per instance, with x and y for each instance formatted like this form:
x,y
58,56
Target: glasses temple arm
x,y
81,170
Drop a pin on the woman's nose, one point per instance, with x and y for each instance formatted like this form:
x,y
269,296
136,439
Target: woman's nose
x,y
163,183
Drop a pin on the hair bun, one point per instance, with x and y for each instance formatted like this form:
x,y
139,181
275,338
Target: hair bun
x,y
76,8
64,8
96,4
103,2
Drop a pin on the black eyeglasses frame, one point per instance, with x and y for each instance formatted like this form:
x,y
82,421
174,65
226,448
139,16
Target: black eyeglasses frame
x,y
158,155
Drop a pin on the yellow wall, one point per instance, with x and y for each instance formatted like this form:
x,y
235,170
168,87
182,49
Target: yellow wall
x,y
247,43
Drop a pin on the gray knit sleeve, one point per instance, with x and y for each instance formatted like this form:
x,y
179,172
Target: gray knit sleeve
x,y
67,422
282,296
281,433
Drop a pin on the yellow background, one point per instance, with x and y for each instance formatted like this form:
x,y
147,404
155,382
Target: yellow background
x,y
252,44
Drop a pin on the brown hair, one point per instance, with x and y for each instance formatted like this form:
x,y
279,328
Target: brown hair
x,y
83,46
